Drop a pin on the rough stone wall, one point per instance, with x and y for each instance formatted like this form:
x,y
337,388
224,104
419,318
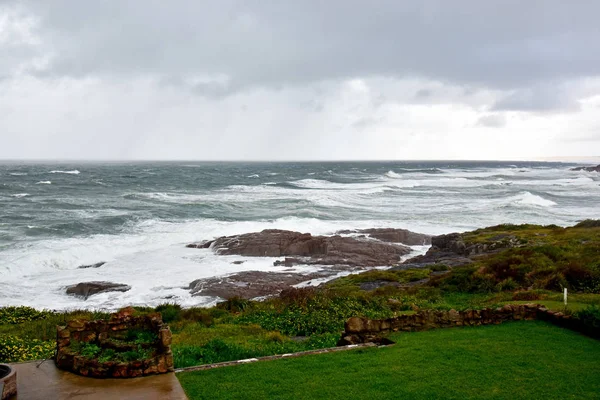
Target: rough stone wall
x,y
101,332
363,330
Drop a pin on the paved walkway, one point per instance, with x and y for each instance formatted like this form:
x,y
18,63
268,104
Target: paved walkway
x,y
49,383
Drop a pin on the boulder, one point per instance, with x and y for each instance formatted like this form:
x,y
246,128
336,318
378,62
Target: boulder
x,y
249,284
588,169
392,235
452,251
87,289
97,265
323,250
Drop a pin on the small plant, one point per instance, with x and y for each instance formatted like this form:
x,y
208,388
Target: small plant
x,y
107,355
234,304
198,315
276,337
140,336
170,311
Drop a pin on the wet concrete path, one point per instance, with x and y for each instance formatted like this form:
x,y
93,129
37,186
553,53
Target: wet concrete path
x,y
49,383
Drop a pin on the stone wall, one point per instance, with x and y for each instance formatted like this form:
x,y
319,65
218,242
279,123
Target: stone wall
x,y
363,330
110,335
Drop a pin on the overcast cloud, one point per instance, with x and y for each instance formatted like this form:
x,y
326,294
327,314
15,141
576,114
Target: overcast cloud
x,y
290,80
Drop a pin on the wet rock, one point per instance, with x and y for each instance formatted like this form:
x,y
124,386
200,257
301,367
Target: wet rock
x,y
250,284
97,265
392,235
588,169
87,289
452,251
200,245
323,250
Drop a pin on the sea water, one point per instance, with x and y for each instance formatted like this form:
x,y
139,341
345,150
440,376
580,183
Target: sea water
x,y
138,217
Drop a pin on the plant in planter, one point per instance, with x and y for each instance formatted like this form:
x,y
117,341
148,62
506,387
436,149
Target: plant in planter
x,y
125,346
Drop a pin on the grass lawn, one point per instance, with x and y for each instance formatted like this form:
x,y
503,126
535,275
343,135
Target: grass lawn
x,y
518,360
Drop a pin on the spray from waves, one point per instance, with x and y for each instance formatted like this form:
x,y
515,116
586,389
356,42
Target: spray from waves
x,y
393,175
44,183
73,172
530,199
18,173
19,195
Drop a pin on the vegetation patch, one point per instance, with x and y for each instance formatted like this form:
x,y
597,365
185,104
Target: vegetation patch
x,y
16,349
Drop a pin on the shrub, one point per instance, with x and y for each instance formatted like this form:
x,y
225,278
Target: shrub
x,y
297,296
198,315
18,315
170,311
234,304
16,349
590,316
276,337
525,295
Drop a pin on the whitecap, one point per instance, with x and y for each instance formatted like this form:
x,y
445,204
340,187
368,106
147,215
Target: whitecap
x,y
253,176
73,172
393,175
530,199
18,173
19,195
44,183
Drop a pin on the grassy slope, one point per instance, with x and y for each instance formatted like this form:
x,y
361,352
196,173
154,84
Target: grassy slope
x,y
529,360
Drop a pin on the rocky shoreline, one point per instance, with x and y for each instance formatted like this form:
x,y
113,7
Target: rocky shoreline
x,y
348,251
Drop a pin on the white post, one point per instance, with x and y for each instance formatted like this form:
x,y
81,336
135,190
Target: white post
x,y
565,297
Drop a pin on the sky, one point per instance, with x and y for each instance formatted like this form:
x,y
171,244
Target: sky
x,y
299,80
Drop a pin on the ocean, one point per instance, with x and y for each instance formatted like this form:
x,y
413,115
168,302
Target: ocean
x,y
138,217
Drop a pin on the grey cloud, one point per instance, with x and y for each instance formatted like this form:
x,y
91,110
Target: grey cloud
x,y
492,121
538,99
508,44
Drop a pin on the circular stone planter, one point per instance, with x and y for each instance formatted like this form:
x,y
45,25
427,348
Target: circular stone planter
x,y
8,382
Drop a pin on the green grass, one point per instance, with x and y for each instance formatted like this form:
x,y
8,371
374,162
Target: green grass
x,y
519,360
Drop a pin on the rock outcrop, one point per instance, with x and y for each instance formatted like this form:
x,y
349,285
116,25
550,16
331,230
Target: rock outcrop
x,y
87,289
453,251
392,235
588,169
308,249
249,284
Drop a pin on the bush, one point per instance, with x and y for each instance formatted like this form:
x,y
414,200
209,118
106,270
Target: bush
x,y
18,315
16,349
170,311
590,316
234,304
198,315
525,295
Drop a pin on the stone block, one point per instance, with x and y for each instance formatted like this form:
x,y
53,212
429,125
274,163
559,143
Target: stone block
x,y
75,324
354,325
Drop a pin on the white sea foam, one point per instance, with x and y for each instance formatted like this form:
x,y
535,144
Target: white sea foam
x,y
73,172
151,258
43,183
19,195
18,173
392,174
530,199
